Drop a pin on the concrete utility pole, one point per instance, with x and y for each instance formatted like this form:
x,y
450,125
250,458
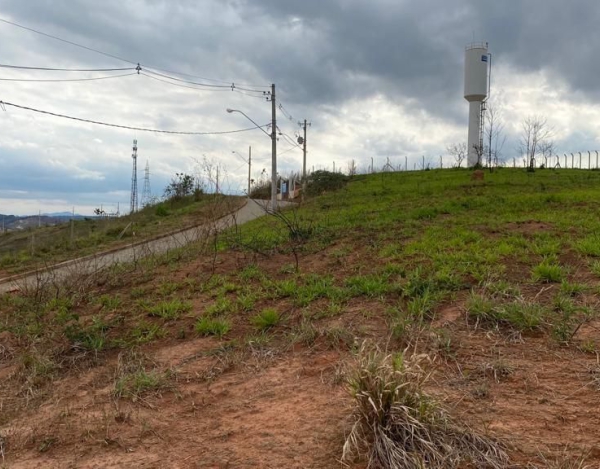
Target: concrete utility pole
x,y
273,150
249,168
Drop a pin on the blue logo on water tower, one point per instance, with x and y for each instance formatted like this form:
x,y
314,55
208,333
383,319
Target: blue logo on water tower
x,y
484,58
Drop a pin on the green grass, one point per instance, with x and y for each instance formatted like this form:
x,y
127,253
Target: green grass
x,y
169,310
212,326
266,319
548,271
54,244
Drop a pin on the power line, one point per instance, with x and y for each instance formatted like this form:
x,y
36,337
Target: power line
x,y
231,86
21,67
106,54
141,129
67,80
288,150
198,89
285,112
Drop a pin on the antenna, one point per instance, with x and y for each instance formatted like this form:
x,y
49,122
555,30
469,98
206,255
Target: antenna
x,y
134,196
146,192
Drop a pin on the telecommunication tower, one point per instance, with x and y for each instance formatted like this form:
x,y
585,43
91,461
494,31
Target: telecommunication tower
x,y
134,195
146,193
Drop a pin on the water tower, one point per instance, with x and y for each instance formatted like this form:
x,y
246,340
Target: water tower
x,y
477,63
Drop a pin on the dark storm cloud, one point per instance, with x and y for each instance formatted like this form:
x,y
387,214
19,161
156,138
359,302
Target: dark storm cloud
x,y
325,52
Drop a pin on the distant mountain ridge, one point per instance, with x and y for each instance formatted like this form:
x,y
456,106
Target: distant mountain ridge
x,y
18,223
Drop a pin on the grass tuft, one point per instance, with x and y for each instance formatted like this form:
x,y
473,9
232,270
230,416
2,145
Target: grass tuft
x,y
398,426
266,319
217,327
548,271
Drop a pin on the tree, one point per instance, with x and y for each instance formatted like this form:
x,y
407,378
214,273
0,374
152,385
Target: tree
x,y
180,186
494,135
458,151
535,134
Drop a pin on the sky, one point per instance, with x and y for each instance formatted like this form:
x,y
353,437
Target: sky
x,y
377,80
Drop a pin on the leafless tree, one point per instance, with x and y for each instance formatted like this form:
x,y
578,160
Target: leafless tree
x,y
458,151
535,134
547,150
494,135
352,170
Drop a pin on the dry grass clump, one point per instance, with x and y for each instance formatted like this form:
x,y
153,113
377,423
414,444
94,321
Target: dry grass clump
x,y
397,426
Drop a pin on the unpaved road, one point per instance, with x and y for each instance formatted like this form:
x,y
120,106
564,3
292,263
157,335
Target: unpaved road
x,y
96,262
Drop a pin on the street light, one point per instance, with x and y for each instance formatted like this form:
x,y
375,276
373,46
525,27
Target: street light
x,y
272,136
249,162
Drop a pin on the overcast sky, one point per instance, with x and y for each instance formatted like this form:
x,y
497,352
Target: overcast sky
x,y
378,79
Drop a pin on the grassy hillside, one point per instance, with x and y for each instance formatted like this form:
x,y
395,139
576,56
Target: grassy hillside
x,y
25,250
419,303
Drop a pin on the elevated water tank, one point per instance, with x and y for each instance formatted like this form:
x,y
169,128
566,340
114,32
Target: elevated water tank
x,y
476,71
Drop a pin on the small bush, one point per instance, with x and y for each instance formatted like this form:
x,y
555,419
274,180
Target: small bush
x,y
324,181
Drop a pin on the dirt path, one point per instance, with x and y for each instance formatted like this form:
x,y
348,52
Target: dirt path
x,y
96,262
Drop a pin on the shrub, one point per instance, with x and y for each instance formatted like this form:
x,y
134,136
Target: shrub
x,y
322,181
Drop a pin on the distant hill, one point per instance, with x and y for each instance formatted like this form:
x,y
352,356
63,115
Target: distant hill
x,y
18,223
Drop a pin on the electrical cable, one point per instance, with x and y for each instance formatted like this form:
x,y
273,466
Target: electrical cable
x,y
69,80
231,86
49,69
195,88
288,150
141,129
285,112
106,54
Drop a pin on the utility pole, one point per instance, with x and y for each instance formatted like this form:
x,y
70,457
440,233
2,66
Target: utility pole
x,y
441,163
72,226
249,168
273,150
217,185
134,196
371,165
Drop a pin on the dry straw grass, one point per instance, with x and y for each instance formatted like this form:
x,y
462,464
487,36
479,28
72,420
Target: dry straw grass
x,y
397,426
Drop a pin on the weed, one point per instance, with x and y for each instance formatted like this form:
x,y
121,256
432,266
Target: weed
x,y
221,307
372,286
589,246
90,337
217,327
266,319
571,289
167,288
109,302
305,334
398,426
338,338
145,332
169,309
246,301
548,271
595,268
497,369
251,272
133,380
